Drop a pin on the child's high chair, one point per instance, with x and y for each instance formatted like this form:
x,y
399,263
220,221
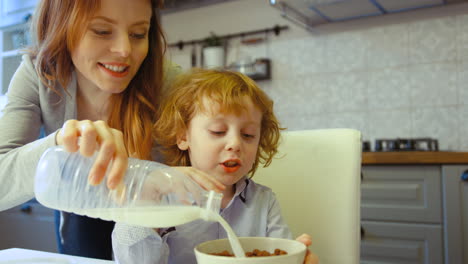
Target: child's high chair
x,y
316,178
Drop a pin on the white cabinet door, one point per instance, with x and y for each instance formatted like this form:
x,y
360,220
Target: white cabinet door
x,y
15,11
401,243
401,194
455,191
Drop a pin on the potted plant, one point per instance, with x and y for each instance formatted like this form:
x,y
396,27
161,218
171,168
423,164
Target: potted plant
x,y
213,51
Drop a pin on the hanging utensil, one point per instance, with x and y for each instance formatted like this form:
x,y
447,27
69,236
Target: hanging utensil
x,y
194,55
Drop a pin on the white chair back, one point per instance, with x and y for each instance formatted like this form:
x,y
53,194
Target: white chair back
x,y
316,178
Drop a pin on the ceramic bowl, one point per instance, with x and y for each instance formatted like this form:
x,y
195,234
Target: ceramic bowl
x,y
296,251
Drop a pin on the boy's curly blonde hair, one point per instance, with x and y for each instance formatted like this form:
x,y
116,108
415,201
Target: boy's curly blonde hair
x,y
227,88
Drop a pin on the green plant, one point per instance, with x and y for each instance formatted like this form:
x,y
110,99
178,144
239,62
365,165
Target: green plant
x,y
213,40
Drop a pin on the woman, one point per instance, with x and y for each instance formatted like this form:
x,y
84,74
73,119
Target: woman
x,y
91,82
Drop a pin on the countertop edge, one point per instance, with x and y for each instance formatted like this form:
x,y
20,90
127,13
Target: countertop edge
x,y
414,157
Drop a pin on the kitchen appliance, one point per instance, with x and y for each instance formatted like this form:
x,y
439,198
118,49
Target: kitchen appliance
x,y
406,144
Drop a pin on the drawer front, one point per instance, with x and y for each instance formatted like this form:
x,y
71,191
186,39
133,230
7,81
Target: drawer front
x,y
385,242
401,193
29,226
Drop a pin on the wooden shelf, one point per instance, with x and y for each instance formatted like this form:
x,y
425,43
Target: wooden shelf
x,y
414,157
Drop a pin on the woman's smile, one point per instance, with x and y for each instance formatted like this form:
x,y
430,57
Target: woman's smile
x,y
115,69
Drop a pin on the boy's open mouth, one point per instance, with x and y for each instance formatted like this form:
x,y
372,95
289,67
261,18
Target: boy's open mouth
x,y
231,165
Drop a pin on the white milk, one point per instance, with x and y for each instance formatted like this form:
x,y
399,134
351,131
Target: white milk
x,y
233,240
164,216
155,217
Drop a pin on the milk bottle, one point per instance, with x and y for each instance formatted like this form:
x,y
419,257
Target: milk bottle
x,y
151,195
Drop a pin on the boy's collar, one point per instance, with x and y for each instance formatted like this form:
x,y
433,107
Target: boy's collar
x,y
241,188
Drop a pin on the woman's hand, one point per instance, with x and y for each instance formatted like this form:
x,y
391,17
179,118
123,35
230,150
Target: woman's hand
x,y
89,136
310,257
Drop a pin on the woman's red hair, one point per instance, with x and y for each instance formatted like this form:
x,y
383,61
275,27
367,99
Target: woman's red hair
x,y
59,26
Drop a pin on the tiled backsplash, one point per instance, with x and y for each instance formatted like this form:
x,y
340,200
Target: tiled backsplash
x,y
397,80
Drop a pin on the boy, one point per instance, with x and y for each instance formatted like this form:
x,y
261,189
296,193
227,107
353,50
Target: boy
x,y
221,123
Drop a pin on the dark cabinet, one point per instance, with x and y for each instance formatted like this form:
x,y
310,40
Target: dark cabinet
x,y
29,226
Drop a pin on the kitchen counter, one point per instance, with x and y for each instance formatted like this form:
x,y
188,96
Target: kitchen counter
x,y
414,157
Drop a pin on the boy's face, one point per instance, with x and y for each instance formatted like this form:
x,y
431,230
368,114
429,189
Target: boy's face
x,y
223,145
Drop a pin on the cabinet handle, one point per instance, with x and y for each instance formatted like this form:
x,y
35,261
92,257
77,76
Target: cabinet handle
x,y
363,232
26,208
464,176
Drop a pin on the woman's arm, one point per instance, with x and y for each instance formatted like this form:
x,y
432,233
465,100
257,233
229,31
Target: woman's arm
x,y
20,148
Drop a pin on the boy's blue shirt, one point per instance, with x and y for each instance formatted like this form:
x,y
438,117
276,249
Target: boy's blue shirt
x,y
253,211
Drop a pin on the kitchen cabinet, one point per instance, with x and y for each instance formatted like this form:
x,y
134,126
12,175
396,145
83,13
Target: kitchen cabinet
x,y
414,213
455,213
401,214
29,226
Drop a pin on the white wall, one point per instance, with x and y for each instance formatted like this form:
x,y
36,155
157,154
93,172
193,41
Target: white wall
x,y
402,75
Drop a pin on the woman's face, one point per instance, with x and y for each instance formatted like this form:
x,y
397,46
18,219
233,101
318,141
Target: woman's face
x,y
114,45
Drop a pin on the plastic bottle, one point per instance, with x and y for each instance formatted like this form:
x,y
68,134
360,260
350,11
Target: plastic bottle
x,y
152,194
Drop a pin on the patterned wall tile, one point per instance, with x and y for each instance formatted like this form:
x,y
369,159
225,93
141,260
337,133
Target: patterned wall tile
x,y
281,67
433,84
305,56
302,122
388,46
432,40
400,80
354,120
349,92
301,96
313,122
462,82
346,51
389,89
289,103
463,127
440,123
462,37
